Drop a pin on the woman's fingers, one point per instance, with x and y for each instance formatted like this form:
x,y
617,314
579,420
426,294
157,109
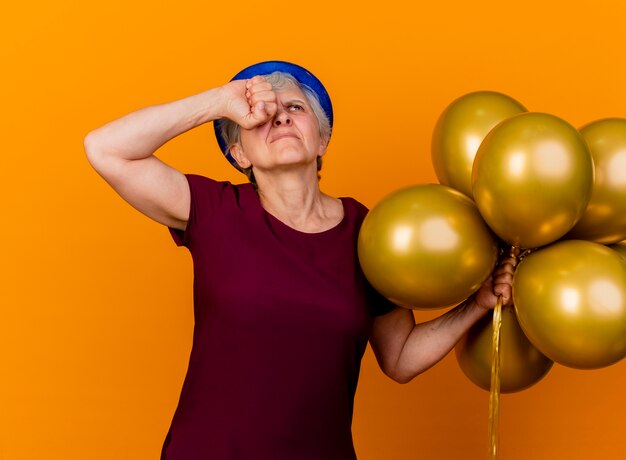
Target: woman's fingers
x,y
504,290
262,101
503,280
502,285
261,112
258,89
499,283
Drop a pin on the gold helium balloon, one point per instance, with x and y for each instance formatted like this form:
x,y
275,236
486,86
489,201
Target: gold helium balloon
x,y
570,300
459,131
521,364
620,248
604,220
532,179
426,246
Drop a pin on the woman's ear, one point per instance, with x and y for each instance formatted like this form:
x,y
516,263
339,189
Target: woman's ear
x,y
237,153
323,147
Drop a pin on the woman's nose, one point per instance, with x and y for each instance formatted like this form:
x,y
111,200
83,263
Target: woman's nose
x,y
282,118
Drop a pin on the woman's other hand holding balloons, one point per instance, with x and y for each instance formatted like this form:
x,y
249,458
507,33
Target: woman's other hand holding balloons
x,y
405,349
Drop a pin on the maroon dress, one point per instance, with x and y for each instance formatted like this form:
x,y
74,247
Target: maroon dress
x,y
282,319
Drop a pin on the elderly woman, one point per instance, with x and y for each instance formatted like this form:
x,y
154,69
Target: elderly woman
x,y
282,310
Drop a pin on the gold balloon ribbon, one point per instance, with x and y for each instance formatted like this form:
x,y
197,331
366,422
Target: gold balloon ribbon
x,y
494,394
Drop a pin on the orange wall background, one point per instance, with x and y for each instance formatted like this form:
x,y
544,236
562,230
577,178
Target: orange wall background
x,y
95,305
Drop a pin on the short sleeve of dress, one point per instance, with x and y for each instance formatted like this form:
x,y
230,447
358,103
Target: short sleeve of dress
x,y
379,304
206,195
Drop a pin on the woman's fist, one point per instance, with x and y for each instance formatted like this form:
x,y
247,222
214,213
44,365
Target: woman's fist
x,y
249,103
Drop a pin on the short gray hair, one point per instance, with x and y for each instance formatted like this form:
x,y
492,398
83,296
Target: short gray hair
x,y
231,131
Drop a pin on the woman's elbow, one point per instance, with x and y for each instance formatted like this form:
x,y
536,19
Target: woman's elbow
x,y
90,144
401,379
98,155
398,376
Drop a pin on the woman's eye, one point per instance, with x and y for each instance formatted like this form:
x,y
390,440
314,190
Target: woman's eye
x,y
295,107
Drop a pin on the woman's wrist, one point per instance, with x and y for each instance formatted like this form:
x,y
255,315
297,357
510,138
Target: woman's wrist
x,y
207,106
474,308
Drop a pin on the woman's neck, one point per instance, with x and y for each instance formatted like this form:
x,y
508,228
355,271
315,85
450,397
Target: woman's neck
x,y
295,198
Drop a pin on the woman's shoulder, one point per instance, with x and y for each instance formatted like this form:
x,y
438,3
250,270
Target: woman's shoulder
x,y
356,205
207,182
204,183
354,209
213,193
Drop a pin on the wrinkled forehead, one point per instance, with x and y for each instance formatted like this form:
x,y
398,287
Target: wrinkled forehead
x,y
290,93
288,89
282,80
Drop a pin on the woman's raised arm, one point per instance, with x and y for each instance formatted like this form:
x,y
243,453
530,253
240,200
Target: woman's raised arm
x,y
122,151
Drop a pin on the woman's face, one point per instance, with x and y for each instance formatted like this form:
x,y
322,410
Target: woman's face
x,y
290,138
